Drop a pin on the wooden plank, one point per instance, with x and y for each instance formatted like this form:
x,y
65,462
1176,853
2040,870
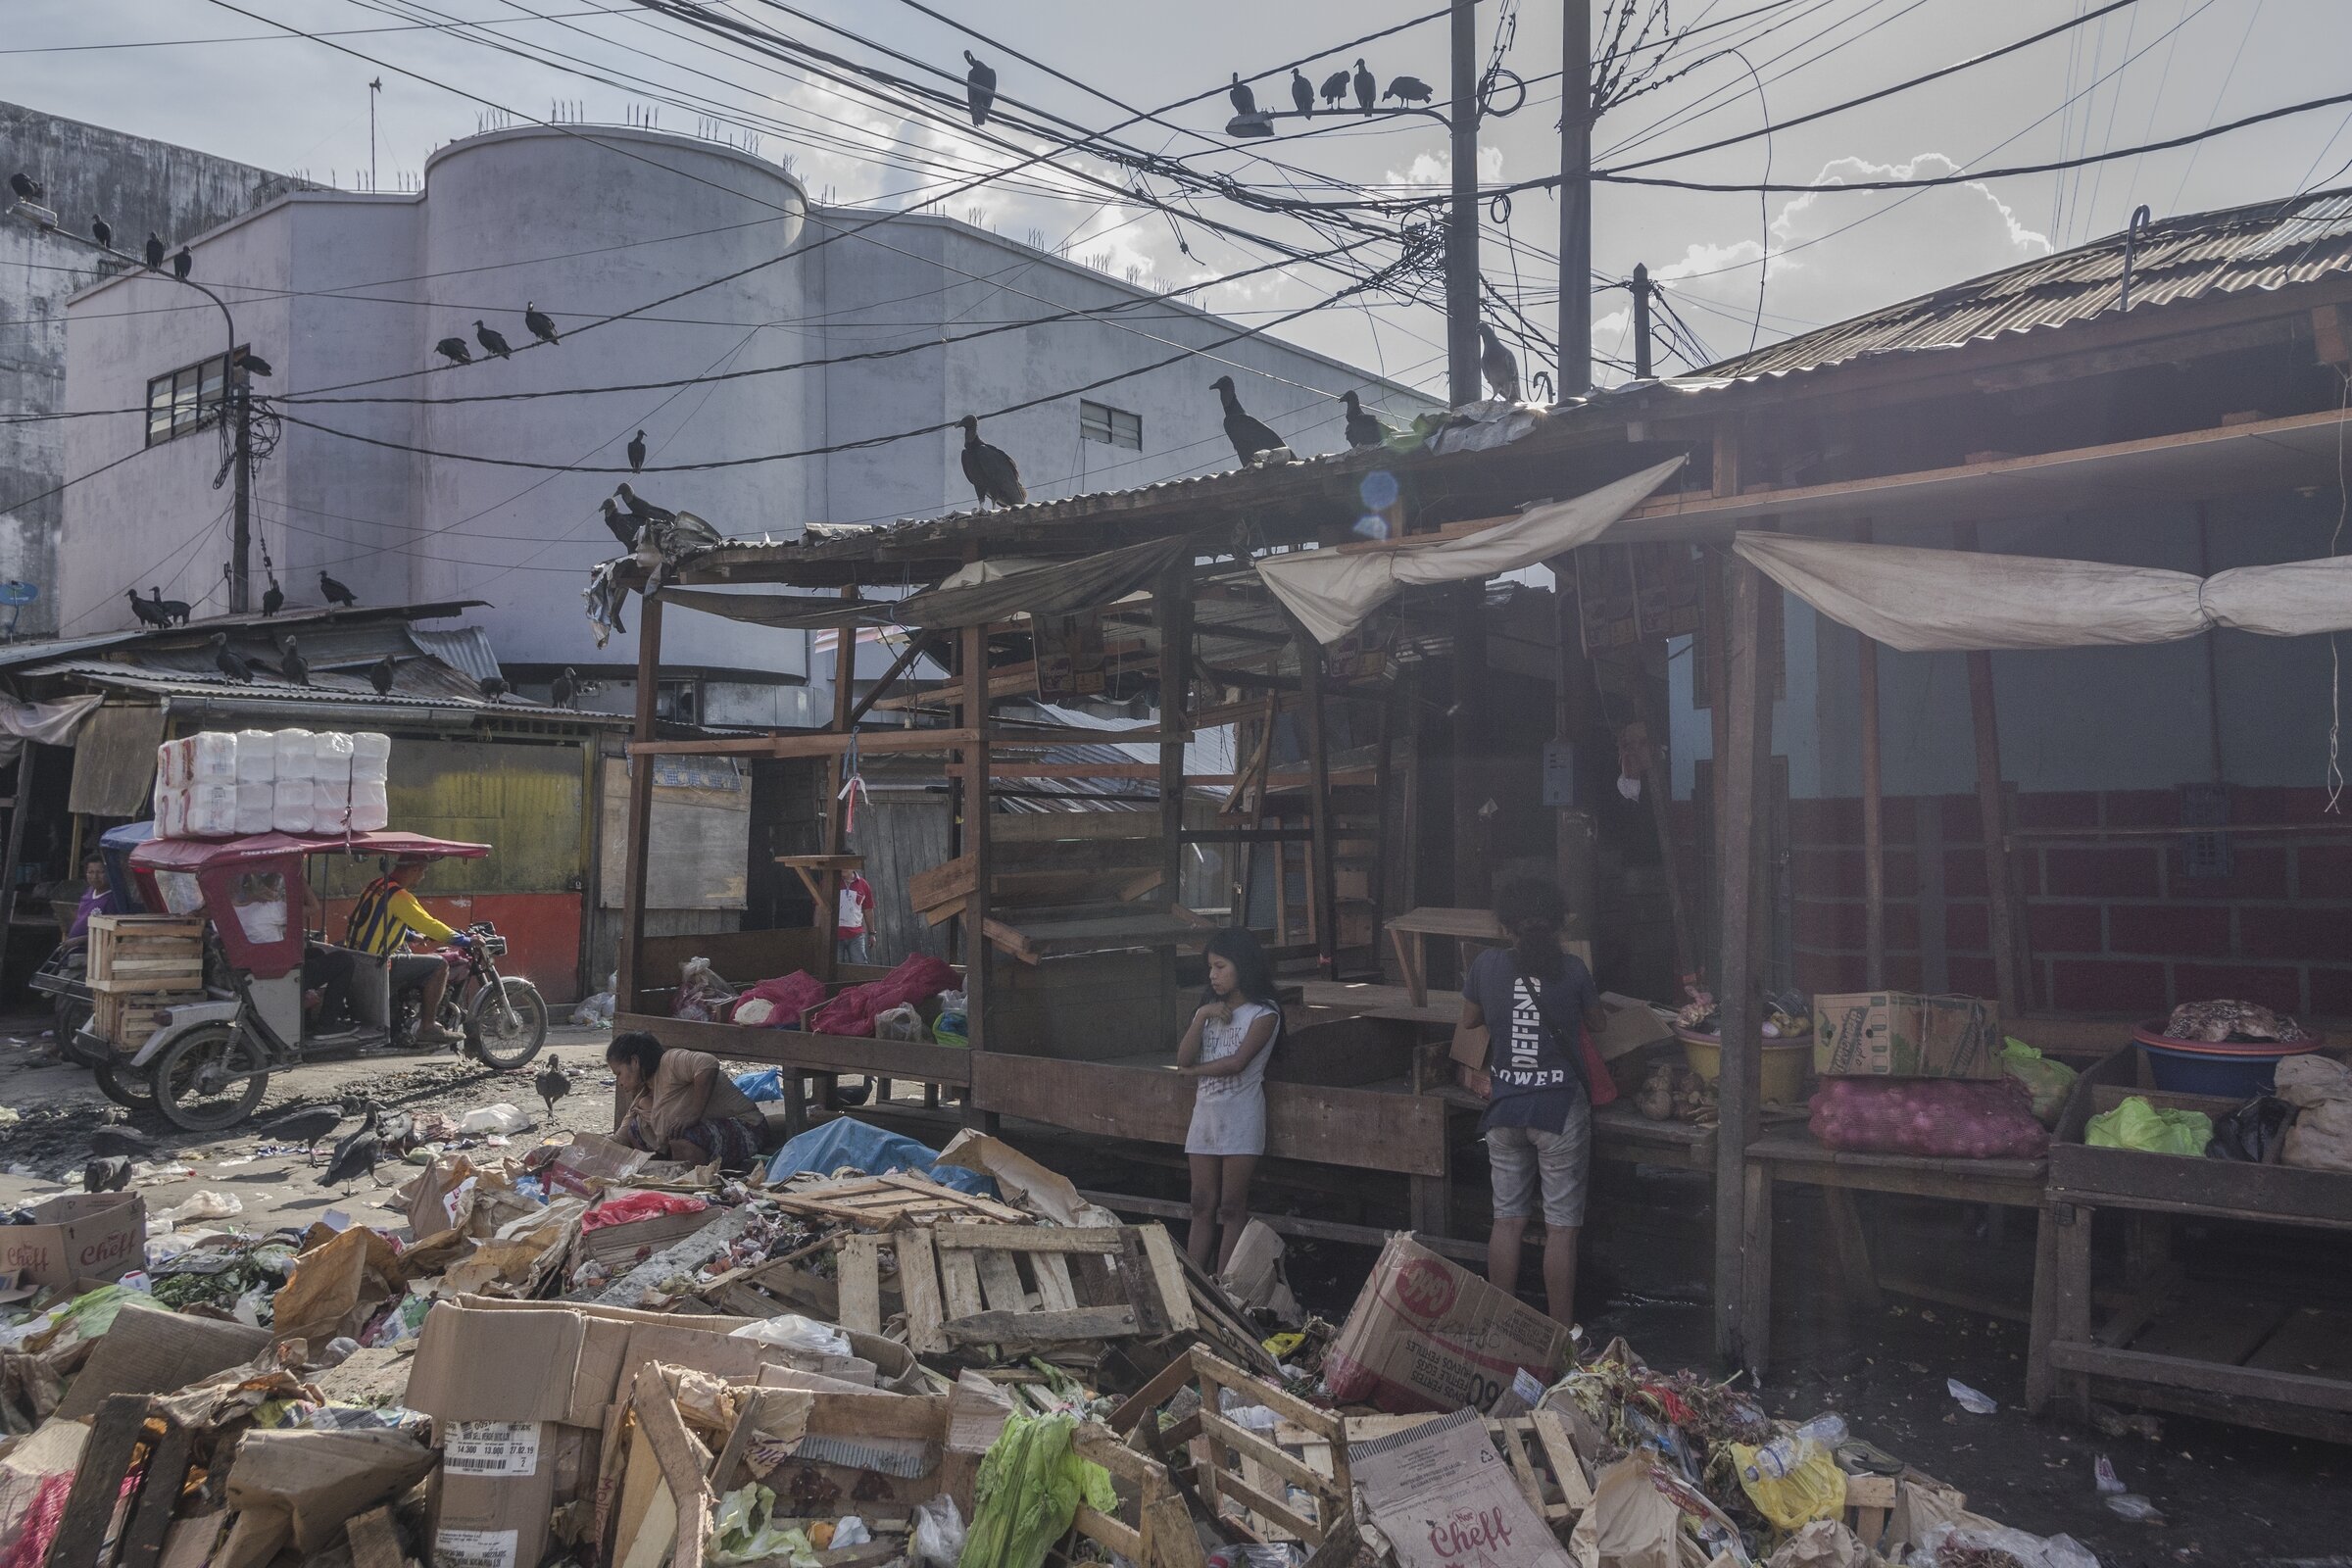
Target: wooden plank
x,y
1168,1273
374,1542
976,1237
1001,1282
1124,1540
98,1475
960,1285
165,1470
2206,1377
1740,771
1992,813
1223,1374
810,1052
1039,1327
871,742
1515,1435
1567,1466
860,1283
1054,1292
919,1288
630,974
1152,1395
1274,1512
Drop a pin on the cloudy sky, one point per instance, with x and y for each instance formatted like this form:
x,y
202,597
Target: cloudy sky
x,y
228,81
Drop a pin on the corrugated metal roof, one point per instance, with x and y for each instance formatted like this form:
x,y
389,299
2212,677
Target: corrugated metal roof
x,y
468,648
2265,246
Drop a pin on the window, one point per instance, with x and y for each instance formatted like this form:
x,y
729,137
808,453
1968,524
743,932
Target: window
x,y
189,399
678,702
1114,427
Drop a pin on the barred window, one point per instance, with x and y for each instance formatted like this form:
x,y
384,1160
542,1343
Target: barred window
x,y
1114,427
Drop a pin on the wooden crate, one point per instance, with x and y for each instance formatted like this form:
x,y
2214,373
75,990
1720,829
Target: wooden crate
x,y
160,948
893,1203
1539,1447
1024,1289
1243,1478
125,1019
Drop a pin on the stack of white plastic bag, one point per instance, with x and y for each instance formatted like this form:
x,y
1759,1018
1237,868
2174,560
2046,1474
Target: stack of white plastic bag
x,y
215,785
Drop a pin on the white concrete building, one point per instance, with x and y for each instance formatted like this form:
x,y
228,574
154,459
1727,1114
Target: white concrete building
x,y
725,270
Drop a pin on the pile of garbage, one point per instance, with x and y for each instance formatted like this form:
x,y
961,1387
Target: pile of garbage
x,y
948,1359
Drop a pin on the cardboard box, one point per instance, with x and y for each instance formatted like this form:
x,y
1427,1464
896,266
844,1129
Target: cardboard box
x,y
1631,1024
1894,1034
1426,1335
99,1236
149,1352
1445,1499
495,1384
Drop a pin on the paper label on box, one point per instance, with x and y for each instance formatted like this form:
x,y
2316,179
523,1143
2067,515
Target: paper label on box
x,y
1527,1387
455,1199
491,1449
474,1548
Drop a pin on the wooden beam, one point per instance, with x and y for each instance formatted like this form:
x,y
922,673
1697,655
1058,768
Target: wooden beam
x,y
821,743
641,797
976,843
1322,882
1472,875
830,880
1993,811
1742,773
1172,610
915,644
1874,814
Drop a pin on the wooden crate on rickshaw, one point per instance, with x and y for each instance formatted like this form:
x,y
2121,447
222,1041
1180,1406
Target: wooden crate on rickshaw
x,y
126,1017
164,950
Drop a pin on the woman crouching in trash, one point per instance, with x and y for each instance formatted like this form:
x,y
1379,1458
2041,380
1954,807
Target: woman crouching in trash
x,y
1225,1048
679,1105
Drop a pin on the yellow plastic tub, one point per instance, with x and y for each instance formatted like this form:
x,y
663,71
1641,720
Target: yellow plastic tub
x,y
1785,1063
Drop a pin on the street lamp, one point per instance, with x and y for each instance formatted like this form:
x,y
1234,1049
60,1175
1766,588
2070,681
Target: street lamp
x,y
235,391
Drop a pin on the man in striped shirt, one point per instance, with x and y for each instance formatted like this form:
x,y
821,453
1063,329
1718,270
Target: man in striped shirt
x,y
382,923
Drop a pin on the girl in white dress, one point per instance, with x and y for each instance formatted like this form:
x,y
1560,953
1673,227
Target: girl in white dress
x,y
1225,1048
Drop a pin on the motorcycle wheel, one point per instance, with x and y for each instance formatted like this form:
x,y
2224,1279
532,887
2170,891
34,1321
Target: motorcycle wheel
x,y
69,1015
502,1044
211,1078
124,1085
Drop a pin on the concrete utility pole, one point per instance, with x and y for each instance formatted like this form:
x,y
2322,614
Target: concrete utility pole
x,y
1461,223
1641,291
375,88
1576,197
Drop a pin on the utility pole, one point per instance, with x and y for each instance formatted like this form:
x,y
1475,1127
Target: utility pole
x,y
1462,225
1576,197
375,90
1641,291
240,578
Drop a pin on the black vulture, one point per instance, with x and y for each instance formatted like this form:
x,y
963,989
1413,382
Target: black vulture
x,y
1245,101
1303,92
155,252
623,526
274,598
1363,429
1501,369
306,1127
252,363
335,592
564,689
643,511
454,350
105,1143
229,662
173,610
292,665
992,472
181,264
1366,88
542,326
1410,90
101,231
1248,436
380,676
637,453
553,1083
1334,88
26,185
354,1157
493,687
490,340
148,614
979,87
110,1174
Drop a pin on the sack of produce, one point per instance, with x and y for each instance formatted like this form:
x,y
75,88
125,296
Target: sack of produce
x,y
1946,1118
2045,1080
2151,1129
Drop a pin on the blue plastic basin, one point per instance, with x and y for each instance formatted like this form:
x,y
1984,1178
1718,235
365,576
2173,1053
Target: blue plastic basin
x,y
2199,1072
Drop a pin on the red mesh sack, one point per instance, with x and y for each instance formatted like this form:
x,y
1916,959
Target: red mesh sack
x,y
1947,1118
855,1010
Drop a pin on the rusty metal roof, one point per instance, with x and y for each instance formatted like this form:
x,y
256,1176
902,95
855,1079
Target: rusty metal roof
x,y
2265,246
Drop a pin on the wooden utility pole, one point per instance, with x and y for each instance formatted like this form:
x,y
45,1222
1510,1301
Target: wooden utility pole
x,y
1874,814
641,802
1742,767
1576,197
1993,817
1462,223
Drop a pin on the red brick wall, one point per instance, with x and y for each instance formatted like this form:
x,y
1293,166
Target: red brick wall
x,y
2112,926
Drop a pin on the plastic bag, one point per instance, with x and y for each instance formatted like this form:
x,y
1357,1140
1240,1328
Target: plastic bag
x,y
950,1027
2033,1551
2045,1080
743,1529
1947,1118
791,1332
2321,1138
204,1203
1031,1482
494,1118
702,997
2138,1124
627,1206
901,1022
1791,1480
763,1086
938,1538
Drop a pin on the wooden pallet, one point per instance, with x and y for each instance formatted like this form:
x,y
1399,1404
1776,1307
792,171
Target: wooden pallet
x,y
1245,1477
127,1018
130,1431
896,1202
1154,1530
130,946
1022,1289
1538,1446
781,1285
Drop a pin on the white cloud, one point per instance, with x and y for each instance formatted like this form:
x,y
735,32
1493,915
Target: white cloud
x,y
1437,169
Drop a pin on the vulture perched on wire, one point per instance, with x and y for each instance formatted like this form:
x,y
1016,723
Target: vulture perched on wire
x,y
490,339
1245,101
979,87
993,476
1410,90
542,326
454,350
1367,88
637,453
1303,92
1335,89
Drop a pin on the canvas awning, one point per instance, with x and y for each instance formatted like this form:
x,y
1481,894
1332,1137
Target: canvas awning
x,y
1058,588
1332,590
1926,601
782,612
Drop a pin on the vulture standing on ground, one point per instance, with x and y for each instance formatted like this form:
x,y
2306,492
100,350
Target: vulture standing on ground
x,y
354,1157
229,662
563,690
274,598
26,185
337,593
993,474
1501,369
1245,101
155,252
553,1083
490,339
1363,429
1410,90
637,453
101,231
307,1127
108,1175
979,87
380,676
1334,88
1367,88
292,665
454,350
542,326
181,264
1303,92
1248,436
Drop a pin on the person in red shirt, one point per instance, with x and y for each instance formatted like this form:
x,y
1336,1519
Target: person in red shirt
x,y
856,943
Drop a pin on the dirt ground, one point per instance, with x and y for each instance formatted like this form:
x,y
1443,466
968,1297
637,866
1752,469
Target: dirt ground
x,y
2226,1496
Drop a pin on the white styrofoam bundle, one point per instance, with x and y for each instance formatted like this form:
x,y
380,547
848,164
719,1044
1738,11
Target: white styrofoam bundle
x,y
211,757
331,754
294,809
297,752
330,808
256,756
256,808
372,757
170,765
211,808
169,812
371,811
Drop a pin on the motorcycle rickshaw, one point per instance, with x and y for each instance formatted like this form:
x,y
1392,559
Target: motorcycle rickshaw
x,y
208,1063
63,977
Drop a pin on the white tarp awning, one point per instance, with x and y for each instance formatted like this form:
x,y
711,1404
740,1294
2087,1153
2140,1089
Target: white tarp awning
x,y
1332,590
1925,601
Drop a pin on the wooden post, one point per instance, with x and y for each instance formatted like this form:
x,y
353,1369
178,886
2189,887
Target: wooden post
x,y
1992,815
1742,773
1322,885
1172,608
1874,816
1472,875
845,681
641,800
973,715
1575,848
1657,782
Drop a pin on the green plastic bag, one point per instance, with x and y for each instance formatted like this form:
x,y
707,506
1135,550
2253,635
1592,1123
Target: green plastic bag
x,y
743,1529
1030,1484
2045,1080
2136,1124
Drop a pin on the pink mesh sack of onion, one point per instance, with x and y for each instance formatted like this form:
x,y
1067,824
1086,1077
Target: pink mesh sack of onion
x,y
1947,1118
